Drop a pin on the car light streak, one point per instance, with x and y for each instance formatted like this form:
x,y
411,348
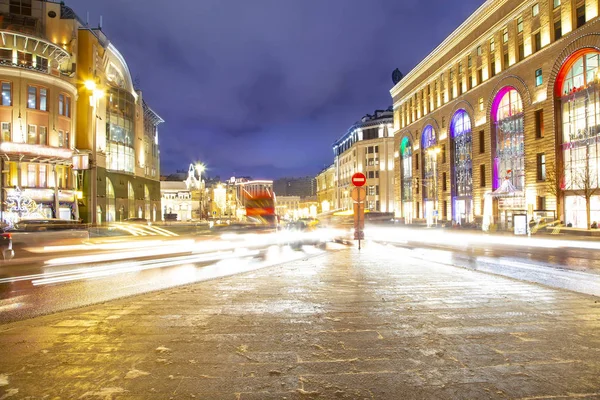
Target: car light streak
x,y
104,246
430,236
135,266
164,250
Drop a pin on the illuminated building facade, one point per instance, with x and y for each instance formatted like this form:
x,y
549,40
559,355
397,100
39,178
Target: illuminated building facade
x,y
326,190
176,201
37,108
367,147
288,207
118,131
503,118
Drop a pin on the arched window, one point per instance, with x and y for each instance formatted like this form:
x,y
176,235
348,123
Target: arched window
x,y
460,132
579,96
147,201
428,137
428,141
110,200
507,118
406,156
131,200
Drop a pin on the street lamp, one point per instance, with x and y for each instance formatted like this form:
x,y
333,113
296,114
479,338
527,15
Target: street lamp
x,y
200,168
95,96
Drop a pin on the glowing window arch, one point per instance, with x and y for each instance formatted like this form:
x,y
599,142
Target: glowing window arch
x,y
406,157
428,137
578,92
580,70
509,160
461,124
507,103
131,200
110,199
460,132
428,140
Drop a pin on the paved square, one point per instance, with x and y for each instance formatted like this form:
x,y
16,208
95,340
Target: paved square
x,y
373,324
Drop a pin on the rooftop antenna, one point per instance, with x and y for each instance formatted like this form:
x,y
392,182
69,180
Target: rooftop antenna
x,y
87,19
100,24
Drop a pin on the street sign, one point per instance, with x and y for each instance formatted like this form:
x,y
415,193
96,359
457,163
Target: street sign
x,y
358,194
359,179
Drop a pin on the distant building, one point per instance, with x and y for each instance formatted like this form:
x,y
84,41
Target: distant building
x,y
367,147
182,197
302,187
288,207
176,199
326,190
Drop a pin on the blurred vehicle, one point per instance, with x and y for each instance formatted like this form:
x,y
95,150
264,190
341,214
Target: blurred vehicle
x,y
302,232
6,246
46,230
48,224
260,208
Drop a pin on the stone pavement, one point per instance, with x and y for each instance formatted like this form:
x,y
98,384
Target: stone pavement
x,y
343,325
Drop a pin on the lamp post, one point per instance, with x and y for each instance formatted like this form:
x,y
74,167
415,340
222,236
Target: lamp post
x,y
95,96
200,168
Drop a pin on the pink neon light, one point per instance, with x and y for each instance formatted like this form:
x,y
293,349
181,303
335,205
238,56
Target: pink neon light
x,y
566,67
497,101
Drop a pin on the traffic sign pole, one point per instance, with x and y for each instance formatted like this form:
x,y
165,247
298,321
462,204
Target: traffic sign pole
x,y
358,195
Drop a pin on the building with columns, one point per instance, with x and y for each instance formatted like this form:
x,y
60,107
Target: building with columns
x,y
367,147
502,118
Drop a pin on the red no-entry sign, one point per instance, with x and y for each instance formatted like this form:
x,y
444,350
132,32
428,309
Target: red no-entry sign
x,y
359,179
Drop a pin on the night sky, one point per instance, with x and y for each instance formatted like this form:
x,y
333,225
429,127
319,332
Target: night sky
x,y
262,88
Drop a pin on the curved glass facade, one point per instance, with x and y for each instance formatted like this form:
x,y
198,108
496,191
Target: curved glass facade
x,y
120,130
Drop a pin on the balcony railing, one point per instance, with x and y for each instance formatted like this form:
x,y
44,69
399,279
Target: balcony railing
x,y
8,61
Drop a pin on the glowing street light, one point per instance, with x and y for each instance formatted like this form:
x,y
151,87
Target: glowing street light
x,y
95,95
199,169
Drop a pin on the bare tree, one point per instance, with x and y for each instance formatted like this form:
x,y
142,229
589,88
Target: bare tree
x,y
584,180
555,180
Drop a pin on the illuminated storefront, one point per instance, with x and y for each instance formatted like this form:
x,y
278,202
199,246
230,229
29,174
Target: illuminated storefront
x,y
509,158
462,196
37,106
577,90
430,175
